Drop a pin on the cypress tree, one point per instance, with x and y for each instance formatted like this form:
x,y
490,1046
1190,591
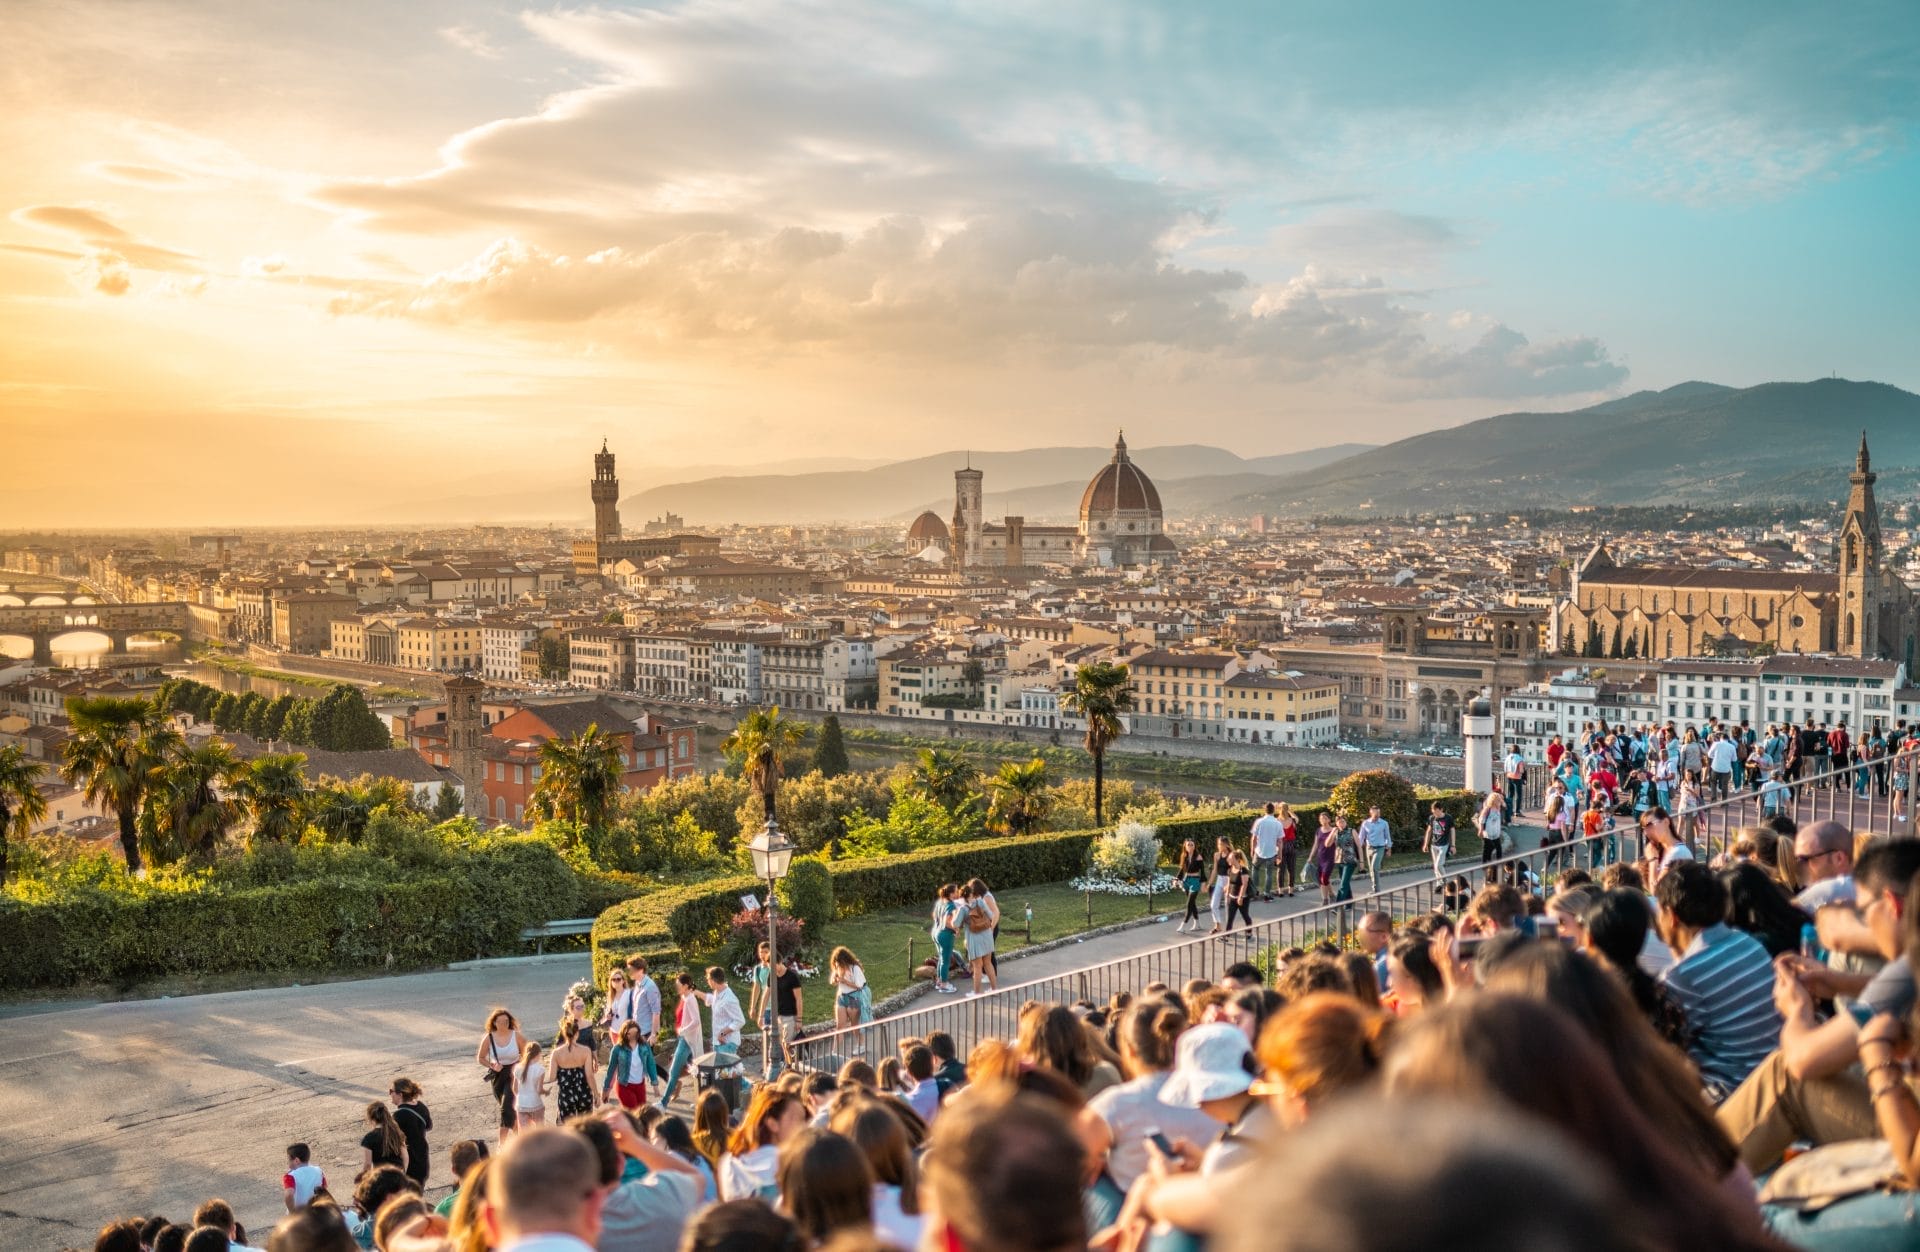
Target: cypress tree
x,y
830,758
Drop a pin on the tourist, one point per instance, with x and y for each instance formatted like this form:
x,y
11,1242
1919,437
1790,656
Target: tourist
x,y
302,1178
1239,890
573,1072
787,999
1321,855
462,1159
218,1214
542,1194
1289,849
499,1051
1515,768
1266,836
982,915
530,1083
383,1144
1413,980
1346,856
743,1226
688,1039
712,1126
120,1236
825,1184
728,1018
1376,837
1722,979
1438,840
1661,847
876,1129
618,1007
1722,756
317,1229
673,1135
1375,934
1758,905
643,1212
644,994
853,999
1217,882
1491,822
1126,1114
922,1093
576,1007
626,1076
946,920
1051,1037
949,1071
753,1150
1193,878
1316,1049
1001,1153
980,892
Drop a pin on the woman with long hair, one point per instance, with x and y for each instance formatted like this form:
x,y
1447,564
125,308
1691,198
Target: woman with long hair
x,y
712,1123
1488,1046
1615,934
826,1185
1758,905
853,999
1414,979
945,934
1289,848
1217,883
627,1070
1322,857
983,915
1193,876
879,1132
498,1053
383,1144
411,1115
689,1038
753,1151
1239,889
573,1071
1053,1038
530,1083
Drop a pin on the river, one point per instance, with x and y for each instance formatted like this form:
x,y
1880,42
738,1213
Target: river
x,y
876,756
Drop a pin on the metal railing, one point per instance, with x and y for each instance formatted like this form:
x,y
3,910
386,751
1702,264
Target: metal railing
x,y
1709,831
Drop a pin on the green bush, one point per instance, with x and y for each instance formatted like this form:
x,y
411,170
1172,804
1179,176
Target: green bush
x,y
1358,792
807,893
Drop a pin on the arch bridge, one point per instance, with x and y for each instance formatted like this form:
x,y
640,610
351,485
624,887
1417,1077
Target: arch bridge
x,y
43,623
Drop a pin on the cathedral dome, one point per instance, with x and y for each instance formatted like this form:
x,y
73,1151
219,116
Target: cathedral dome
x,y
1119,487
927,528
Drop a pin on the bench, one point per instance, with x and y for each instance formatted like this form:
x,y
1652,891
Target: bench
x,y
539,935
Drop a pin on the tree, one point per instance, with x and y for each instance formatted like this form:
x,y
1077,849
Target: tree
x,y
253,713
973,673
273,723
21,804
1633,645
299,726
945,777
761,744
1021,795
830,758
447,803
1101,692
554,661
1613,646
225,709
1566,640
111,758
189,809
273,790
580,779
342,722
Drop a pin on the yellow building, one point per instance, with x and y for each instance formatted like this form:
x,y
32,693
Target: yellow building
x,y
454,645
1282,707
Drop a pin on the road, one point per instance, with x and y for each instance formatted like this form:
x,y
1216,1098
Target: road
x,y
153,1106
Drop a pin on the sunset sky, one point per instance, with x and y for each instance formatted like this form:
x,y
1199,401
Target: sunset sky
x,y
270,261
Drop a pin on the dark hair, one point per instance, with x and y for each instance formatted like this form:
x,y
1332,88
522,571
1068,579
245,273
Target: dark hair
x,y
120,1236
1760,906
919,1062
1243,971
599,1137
1365,980
208,1239
1414,954
741,1226
151,1227
818,1084
940,1043
172,1238
300,1152
1001,1152
1150,1029
825,1183
465,1155
878,1130
677,1137
214,1213
316,1228
1693,894
1050,1035
1887,865
378,1184
1315,972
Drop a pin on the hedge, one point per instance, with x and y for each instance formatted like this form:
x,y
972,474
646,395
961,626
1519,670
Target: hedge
x,y
476,902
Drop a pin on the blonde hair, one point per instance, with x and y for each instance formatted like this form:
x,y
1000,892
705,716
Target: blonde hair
x,y
843,958
528,1055
1284,812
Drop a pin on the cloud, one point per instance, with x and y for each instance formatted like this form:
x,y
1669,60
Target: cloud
x,y
112,252
260,266
67,219
468,39
106,272
139,175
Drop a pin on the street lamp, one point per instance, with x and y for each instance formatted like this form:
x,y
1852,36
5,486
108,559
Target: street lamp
x,y
772,854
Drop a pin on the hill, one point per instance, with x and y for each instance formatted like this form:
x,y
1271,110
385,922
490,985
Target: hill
x,y
1693,444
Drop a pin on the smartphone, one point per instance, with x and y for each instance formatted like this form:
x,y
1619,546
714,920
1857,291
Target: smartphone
x,y
1162,1144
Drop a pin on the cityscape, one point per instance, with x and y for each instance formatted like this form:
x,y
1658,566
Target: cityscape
x,y
667,541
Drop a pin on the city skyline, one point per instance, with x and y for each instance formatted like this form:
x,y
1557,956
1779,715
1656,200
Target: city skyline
x,y
245,240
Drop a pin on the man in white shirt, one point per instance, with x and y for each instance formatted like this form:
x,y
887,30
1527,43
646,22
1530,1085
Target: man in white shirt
x,y
1516,768
728,1017
544,1193
1721,757
1377,839
1268,831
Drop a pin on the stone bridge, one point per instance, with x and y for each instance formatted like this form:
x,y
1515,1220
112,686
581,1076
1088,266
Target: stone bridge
x,y
43,623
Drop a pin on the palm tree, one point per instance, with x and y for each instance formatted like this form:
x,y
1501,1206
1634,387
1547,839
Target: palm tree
x,y
273,789
579,778
763,741
111,757
945,777
1101,693
1020,795
21,804
189,806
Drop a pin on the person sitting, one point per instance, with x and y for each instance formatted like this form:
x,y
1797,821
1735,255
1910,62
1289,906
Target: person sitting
x,y
1003,1173
1722,980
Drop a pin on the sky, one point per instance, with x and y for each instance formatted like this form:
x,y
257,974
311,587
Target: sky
x,y
267,262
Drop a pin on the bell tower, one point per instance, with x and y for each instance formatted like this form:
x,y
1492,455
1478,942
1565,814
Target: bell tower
x,y
466,725
1859,557
606,497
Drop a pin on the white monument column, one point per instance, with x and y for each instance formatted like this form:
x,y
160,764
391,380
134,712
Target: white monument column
x,y
1476,729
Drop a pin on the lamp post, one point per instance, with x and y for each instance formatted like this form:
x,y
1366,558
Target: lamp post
x,y
772,855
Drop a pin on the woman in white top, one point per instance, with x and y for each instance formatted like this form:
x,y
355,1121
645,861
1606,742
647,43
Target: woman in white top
x,y
530,1087
853,1002
498,1053
689,1040
749,1169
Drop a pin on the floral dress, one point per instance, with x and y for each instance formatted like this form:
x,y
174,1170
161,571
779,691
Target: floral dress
x,y
576,1097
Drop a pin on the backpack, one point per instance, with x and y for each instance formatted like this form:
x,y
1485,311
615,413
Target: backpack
x,y
978,918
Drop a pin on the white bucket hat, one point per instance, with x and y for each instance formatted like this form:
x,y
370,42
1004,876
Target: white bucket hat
x,y
1212,1062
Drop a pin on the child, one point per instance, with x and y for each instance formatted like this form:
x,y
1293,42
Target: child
x,y
530,1088
302,1178
853,1001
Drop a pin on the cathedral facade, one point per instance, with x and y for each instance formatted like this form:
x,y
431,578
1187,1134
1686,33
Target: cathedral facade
x,y
1860,609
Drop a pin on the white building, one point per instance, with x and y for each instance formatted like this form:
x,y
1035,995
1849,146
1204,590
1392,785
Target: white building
x,y
663,666
1789,687
501,643
1566,704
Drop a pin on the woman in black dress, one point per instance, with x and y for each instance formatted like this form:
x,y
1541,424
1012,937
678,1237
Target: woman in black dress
x,y
383,1144
1193,871
411,1115
573,1071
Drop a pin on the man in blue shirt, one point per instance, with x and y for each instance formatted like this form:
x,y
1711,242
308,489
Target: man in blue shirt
x,y
1722,979
1377,840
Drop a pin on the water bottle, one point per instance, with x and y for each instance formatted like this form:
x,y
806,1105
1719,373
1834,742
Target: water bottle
x,y
1810,943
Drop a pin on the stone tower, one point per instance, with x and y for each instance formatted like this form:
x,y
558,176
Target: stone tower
x,y
968,522
606,497
1858,630
466,724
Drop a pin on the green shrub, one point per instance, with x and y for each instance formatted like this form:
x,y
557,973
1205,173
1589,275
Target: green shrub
x,y
1358,792
807,893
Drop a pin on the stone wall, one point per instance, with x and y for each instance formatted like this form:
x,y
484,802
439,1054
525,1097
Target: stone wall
x,y
353,671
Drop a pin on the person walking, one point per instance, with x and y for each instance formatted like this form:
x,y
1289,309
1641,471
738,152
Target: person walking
x,y
530,1083
687,1036
853,999
1438,841
1217,886
1491,821
1377,835
982,916
1346,856
573,1071
499,1052
1193,877
626,1074
646,1009
1239,890
945,909
613,1013
1322,856
1266,835
1289,849
411,1115
383,1144
729,1022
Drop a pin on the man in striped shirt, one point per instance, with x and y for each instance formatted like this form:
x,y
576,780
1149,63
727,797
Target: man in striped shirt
x,y
1722,980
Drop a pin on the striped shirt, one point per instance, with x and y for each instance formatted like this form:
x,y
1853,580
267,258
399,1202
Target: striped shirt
x,y
1724,983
